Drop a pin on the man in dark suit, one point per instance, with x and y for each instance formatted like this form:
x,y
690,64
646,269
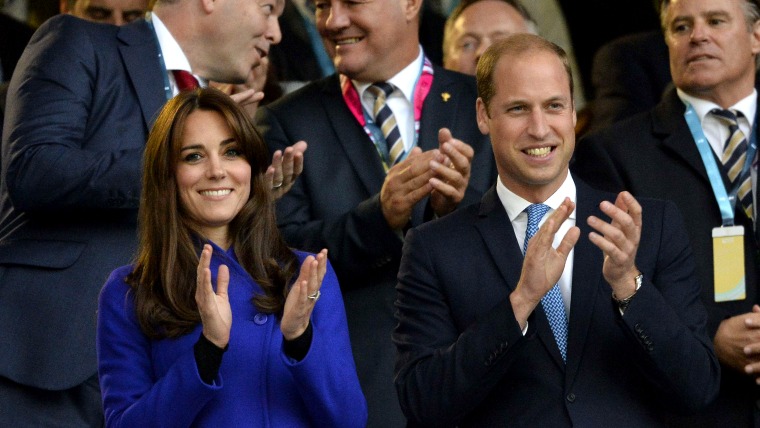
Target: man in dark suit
x,y
712,46
301,57
354,197
600,323
81,102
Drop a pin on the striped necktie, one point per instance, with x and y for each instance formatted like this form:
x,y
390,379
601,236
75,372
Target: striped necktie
x,y
733,159
185,80
552,301
385,120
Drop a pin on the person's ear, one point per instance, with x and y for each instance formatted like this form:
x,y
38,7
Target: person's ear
x,y
482,116
208,6
412,9
755,42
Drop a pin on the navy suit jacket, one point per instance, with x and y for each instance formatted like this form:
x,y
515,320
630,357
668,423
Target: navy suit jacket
x,y
335,204
464,361
653,154
80,105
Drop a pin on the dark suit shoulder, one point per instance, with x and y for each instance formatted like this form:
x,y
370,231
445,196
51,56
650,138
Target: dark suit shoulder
x,y
70,29
302,107
459,85
64,44
628,129
651,207
307,95
460,219
661,120
453,76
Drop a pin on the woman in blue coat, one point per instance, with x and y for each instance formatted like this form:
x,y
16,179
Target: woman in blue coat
x,y
218,322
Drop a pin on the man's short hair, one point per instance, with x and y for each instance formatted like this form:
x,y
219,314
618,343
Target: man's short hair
x,y
514,46
751,10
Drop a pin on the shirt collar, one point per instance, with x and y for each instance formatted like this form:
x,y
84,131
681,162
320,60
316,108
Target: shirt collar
x,y
404,80
174,58
515,204
747,106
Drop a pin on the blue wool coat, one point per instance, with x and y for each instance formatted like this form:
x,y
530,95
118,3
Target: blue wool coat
x,y
148,382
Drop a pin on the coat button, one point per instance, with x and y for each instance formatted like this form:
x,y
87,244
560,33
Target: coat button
x,y
571,397
260,319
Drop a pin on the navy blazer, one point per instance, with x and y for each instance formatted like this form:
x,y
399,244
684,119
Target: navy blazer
x,y
653,154
80,105
464,361
335,204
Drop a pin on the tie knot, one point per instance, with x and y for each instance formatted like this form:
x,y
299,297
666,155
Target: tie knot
x,y
726,116
381,89
185,80
535,213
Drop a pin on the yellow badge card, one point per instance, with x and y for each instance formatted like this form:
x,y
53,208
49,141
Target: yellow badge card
x,y
728,260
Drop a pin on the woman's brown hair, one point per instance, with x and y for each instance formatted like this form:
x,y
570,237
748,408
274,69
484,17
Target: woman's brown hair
x,y
164,277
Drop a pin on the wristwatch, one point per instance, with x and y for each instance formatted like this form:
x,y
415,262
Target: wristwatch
x,y
623,303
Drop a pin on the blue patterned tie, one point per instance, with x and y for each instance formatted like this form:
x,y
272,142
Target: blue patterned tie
x,y
385,120
552,301
734,157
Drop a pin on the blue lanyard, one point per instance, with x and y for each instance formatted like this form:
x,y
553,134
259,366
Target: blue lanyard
x,y
726,201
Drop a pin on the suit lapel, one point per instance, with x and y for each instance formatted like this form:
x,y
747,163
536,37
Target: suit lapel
x,y
496,231
360,151
587,273
439,109
669,122
140,53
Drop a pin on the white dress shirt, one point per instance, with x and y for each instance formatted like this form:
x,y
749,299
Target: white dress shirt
x,y
716,131
401,101
516,205
174,58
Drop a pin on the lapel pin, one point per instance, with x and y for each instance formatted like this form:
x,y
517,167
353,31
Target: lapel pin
x,y
445,96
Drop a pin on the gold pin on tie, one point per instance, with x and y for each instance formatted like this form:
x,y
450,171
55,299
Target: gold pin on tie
x,y
445,96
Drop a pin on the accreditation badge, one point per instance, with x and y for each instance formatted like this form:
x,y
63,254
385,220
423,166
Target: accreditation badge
x,y
728,263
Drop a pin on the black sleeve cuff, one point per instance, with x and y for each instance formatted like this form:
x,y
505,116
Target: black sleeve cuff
x,y
298,347
208,358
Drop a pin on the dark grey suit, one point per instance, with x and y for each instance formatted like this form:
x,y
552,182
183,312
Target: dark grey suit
x,y
335,204
80,105
653,154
